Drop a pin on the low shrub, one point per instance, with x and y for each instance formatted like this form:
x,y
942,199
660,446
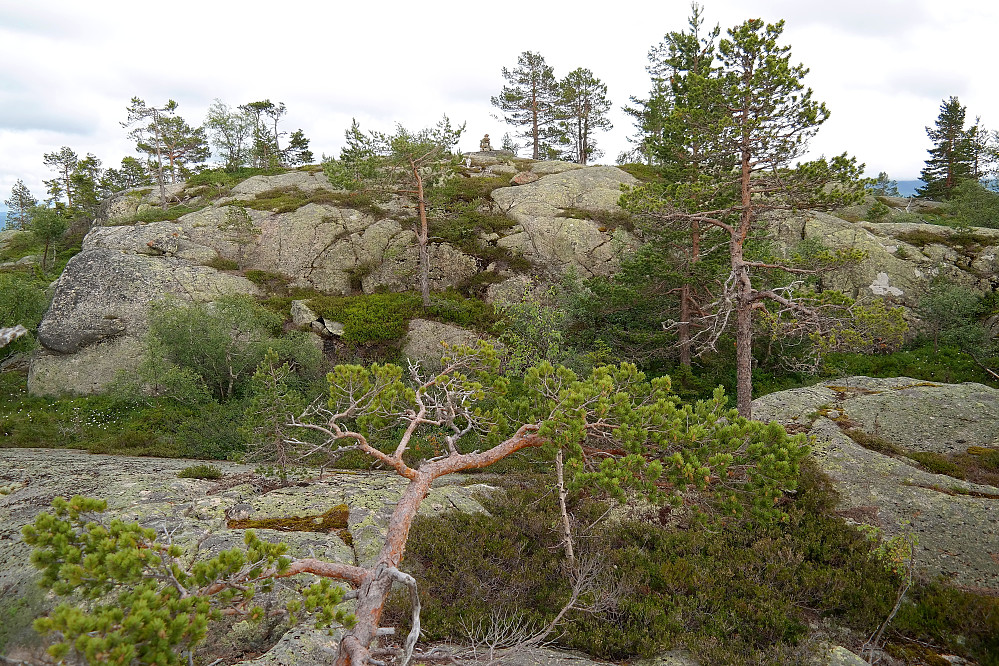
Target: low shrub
x,y
157,214
221,178
200,472
607,219
732,594
222,264
371,317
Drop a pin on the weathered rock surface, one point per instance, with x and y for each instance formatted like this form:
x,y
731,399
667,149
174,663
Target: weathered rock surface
x,y
147,490
303,180
559,242
425,340
955,522
897,265
329,248
101,303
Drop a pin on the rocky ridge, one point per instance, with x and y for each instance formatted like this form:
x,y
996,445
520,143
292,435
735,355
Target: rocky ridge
x,y
955,522
564,217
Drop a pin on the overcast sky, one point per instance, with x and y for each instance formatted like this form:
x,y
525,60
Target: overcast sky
x,y
69,68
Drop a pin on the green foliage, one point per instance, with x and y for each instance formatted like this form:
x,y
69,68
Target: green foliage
x,y
222,180
159,215
730,595
957,620
973,205
272,406
461,213
878,212
146,605
645,173
581,109
216,345
369,318
451,307
383,317
666,449
946,364
47,225
607,219
883,186
357,163
867,328
238,226
529,100
950,313
951,157
936,463
535,330
200,472
18,205
23,300
222,264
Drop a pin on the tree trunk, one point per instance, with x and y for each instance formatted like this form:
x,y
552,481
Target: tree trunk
x,y
683,332
744,358
373,593
534,117
743,285
374,590
566,525
159,160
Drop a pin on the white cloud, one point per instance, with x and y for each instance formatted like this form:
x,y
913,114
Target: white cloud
x,y
70,68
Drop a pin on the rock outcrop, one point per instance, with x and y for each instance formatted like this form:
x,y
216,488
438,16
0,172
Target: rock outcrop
x,y
567,218
901,258
100,308
553,227
956,523
147,490
324,242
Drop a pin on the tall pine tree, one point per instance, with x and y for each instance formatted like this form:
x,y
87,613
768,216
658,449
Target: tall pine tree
x,y
951,157
582,109
529,100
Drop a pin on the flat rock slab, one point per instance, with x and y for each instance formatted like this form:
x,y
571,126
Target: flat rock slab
x,y
956,523
148,491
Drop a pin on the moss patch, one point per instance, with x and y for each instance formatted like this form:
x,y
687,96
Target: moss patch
x,y
290,198
333,521
607,219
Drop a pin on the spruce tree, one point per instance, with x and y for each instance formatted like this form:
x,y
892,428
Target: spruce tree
x,y
951,156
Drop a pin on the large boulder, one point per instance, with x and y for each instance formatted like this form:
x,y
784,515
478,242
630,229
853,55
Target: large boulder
x,y
550,230
955,522
329,248
103,294
303,180
101,302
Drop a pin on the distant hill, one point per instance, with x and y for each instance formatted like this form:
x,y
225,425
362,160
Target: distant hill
x,y
907,188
